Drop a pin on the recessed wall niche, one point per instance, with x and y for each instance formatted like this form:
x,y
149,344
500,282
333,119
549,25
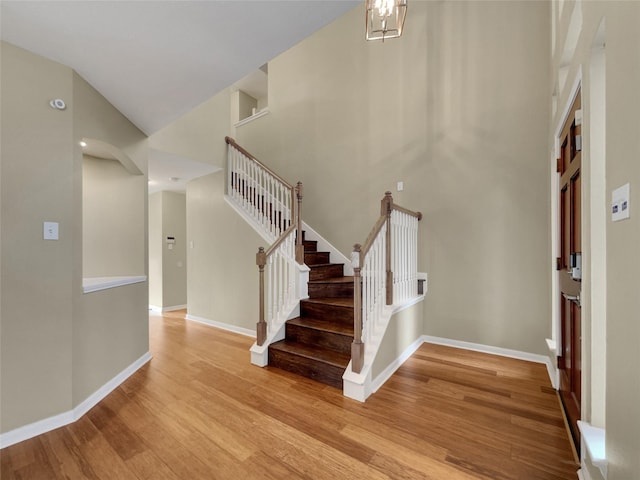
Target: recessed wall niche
x,y
113,217
249,97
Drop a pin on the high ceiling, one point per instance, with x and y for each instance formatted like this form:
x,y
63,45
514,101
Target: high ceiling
x,y
156,60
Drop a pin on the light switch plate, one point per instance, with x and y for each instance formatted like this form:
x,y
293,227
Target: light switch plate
x,y
620,203
400,186
50,231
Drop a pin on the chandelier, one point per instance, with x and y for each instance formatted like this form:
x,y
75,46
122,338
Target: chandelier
x,y
385,18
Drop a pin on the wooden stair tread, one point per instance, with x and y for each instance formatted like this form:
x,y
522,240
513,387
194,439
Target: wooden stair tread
x,y
335,301
333,280
330,357
322,325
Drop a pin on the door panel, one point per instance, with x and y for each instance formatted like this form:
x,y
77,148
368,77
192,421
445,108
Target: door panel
x,y
570,192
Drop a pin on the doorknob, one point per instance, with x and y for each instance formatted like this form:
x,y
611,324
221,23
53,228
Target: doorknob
x,y
573,298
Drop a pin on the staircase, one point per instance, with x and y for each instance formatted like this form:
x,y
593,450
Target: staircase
x,y
340,317
317,344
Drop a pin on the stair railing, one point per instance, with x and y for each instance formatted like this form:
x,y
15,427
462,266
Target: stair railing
x,y
275,206
260,193
385,270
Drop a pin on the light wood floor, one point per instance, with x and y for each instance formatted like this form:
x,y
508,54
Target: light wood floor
x,y
199,410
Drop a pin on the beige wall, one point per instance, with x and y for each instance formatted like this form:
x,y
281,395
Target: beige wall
x,y
113,206
155,249
623,242
58,345
38,185
222,276
167,268
199,135
174,261
111,331
405,328
106,340
457,109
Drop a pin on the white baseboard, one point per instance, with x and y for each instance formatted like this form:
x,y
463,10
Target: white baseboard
x,y
223,326
157,309
360,386
46,425
478,347
395,365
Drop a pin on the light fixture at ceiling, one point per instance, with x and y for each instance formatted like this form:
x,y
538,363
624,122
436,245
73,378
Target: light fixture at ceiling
x,y
385,18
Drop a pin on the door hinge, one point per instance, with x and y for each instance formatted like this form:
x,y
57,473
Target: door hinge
x,y
558,263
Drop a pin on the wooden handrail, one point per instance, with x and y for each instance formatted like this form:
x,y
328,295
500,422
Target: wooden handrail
x,y
418,215
364,249
231,141
279,240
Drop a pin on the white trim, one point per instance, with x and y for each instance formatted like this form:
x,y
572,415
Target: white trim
x,y
359,386
552,368
406,304
503,352
594,439
157,309
94,284
478,347
46,425
253,117
583,474
222,326
36,428
395,365
252,223
260,353
356,386
336,256
108,387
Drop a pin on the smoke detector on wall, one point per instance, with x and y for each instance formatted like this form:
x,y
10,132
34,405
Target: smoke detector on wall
x,y
58,104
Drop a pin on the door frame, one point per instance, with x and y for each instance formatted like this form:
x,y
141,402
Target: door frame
x,y
554,343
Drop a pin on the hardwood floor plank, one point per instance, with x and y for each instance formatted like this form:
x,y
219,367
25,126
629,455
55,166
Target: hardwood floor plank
x,y
62,448
199,410
147,465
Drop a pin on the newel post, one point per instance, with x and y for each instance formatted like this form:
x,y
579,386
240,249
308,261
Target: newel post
x,y
261,327
385,209
299,246
357,347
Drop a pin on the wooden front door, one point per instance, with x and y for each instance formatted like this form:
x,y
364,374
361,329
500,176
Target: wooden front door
x,y
569,266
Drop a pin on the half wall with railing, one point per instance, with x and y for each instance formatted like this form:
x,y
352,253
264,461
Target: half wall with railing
x,y
385,273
